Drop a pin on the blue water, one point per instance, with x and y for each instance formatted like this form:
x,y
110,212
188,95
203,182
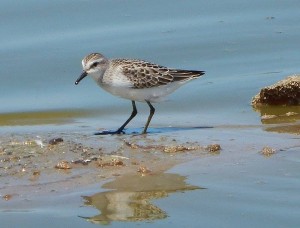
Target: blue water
x,y
242,45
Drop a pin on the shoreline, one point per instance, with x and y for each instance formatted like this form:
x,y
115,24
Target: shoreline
x,y
186,154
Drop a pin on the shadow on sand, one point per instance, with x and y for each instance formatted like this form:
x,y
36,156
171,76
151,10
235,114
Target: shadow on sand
x,y
136,131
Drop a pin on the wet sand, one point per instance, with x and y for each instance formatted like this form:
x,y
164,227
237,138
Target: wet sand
x,y
44,171
46,164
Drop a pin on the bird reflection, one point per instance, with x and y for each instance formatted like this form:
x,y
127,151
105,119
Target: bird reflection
x,y
130,199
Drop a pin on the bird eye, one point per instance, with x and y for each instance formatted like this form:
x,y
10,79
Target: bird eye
x,y
94,64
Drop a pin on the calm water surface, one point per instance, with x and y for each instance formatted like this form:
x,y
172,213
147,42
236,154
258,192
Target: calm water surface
x,y
242,45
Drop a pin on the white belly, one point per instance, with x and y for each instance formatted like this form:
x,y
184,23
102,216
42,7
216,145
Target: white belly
x,y
155,94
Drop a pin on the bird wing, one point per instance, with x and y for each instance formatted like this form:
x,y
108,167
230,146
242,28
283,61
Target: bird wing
x,y
146,75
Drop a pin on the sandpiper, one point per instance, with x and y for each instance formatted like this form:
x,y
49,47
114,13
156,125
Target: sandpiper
x,y
135,80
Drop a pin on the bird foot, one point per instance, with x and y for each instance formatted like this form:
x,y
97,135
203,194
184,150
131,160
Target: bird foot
x,y
117,132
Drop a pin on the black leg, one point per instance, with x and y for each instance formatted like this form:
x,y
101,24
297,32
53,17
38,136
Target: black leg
x,y
120,130
152,111
133,114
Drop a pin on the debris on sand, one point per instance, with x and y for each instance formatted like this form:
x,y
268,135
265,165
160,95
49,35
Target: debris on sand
x,y
268,151
112,162
284,92
7,197
36,173
55,141
213,148
63,165
164,148
179,148
143,170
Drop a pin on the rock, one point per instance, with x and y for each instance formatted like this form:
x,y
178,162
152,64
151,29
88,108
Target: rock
x,y
55,141
63,165
213,148
144,170
284,92
268,151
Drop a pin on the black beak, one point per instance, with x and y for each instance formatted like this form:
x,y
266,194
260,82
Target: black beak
x,y
82,76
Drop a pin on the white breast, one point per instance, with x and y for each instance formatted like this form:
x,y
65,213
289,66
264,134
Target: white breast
x,y
115,77
154,94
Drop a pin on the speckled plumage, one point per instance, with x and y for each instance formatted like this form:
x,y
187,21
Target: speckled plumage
x,y
136,80
144,74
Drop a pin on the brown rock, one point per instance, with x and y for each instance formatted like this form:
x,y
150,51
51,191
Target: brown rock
x,y
268,151
284,92
55,141
63,165
213,148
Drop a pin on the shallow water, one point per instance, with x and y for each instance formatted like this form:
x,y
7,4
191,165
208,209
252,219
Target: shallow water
x,y
242,46
128,198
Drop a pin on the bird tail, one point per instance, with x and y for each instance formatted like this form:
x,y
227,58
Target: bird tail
x,y
182,75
